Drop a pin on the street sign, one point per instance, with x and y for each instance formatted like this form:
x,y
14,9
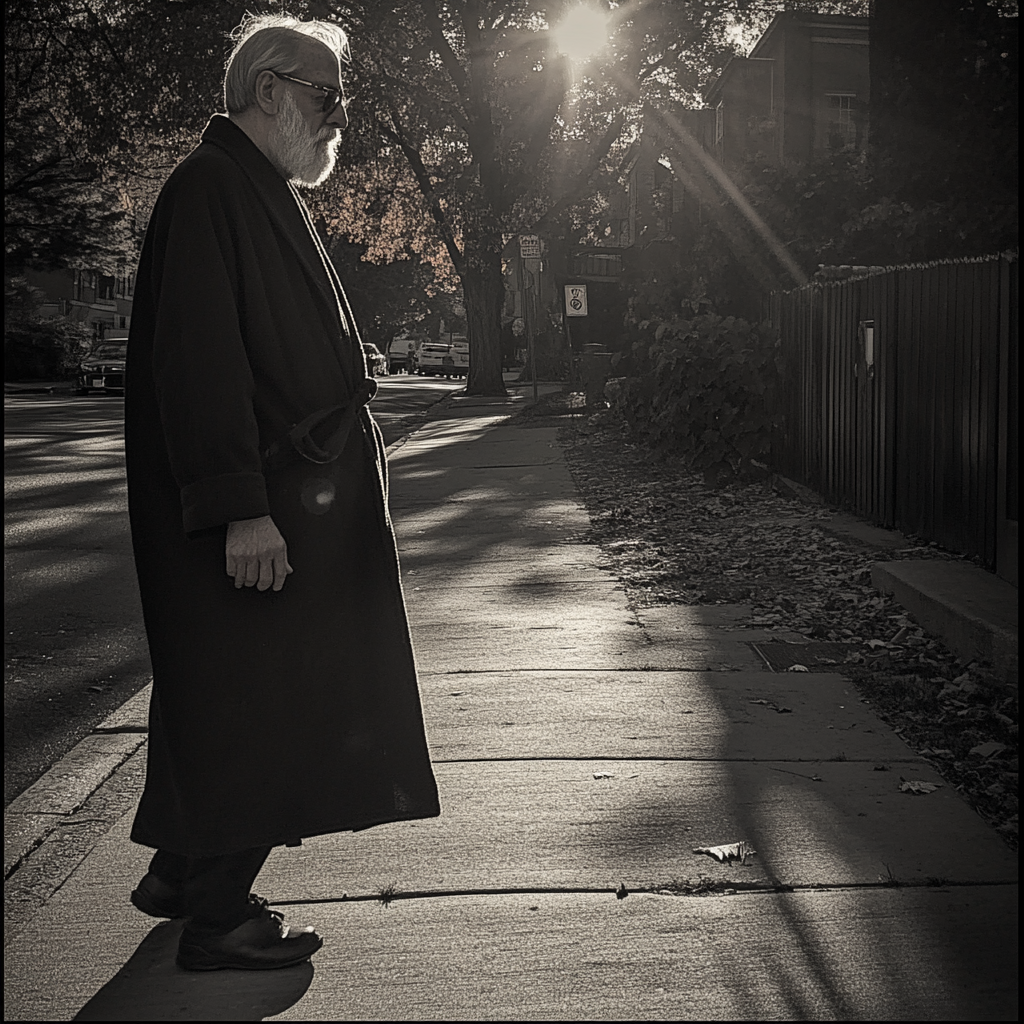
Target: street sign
x,y
575,300
529,247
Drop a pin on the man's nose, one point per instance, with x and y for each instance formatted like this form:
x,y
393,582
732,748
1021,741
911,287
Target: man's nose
x,y
338,118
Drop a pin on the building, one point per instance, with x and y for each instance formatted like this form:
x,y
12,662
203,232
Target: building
x,y
802,92
101,301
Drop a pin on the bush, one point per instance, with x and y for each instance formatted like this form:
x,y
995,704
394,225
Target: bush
x,y
37,349
702,389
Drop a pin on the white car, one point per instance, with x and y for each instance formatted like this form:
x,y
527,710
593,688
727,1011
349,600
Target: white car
x,y
434,358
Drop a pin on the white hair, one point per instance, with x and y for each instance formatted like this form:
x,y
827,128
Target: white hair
x,y
269,43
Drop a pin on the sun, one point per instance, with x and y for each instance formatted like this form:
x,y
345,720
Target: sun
x,y
582,33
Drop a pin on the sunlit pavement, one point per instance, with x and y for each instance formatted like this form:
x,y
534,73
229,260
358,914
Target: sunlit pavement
x,y
583,751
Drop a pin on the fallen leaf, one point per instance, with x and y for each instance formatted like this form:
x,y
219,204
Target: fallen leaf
x,y
988,749
918,787
775,707
729,852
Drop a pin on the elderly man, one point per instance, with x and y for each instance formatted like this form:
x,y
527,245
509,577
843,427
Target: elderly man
x,y
285,701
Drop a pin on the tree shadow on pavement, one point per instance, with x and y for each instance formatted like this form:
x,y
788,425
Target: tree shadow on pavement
x,y
151,986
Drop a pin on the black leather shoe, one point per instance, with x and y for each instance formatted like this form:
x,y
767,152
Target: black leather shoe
x,y
262,943
157,898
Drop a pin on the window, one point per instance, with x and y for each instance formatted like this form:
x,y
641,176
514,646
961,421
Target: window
x,y
719,123
840,126
85,285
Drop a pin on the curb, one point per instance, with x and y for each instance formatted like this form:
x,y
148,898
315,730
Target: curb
x,y
63,790
973,611
38,389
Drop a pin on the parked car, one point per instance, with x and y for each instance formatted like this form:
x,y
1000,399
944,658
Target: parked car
x,y
434,358
401,350
103,368
376,362
460,353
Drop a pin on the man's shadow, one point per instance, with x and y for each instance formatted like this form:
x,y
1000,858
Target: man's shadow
x,y
151,986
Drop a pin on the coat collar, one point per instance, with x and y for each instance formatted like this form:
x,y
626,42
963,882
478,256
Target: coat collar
x,y
285,206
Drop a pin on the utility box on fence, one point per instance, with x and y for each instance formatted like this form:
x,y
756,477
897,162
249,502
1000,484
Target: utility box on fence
x,y
596,368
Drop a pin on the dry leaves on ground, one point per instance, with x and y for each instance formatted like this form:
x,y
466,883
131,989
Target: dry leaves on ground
x,y
673,540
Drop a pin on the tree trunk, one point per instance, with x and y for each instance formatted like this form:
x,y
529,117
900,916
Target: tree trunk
x,y
483,289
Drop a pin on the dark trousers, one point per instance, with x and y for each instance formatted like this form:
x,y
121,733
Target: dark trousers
x,y
215,889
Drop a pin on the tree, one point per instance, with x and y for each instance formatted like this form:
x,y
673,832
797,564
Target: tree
x,y
472,101
387,297
944,96
102,98
60,208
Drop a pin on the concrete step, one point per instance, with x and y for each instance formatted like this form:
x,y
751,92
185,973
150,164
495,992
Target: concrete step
x,y
973,611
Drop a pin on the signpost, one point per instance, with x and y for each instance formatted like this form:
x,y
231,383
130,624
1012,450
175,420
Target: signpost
x,y
529,247
575,300
575,305
529,253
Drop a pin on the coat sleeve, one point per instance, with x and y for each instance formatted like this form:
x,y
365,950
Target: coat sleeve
x,y
201,372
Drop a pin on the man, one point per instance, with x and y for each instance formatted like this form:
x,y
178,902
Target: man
x,y
285,701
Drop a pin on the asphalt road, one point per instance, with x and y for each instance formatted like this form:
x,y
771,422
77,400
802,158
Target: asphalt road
x,y
74,644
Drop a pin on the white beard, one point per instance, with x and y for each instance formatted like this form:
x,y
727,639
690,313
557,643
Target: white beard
x,y
303,157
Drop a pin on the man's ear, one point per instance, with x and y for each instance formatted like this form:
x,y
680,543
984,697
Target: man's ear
x,y
265,82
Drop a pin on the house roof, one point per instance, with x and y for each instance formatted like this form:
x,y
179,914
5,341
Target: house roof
x,y
844,24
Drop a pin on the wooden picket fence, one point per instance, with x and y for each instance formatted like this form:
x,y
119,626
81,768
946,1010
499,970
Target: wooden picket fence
x,y
900,400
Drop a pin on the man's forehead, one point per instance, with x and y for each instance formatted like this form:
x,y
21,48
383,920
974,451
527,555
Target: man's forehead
x,y
319,62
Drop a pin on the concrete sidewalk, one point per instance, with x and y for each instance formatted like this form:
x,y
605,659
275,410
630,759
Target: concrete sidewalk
x,y
583,751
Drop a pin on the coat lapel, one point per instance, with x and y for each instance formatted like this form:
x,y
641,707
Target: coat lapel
x,y
341,299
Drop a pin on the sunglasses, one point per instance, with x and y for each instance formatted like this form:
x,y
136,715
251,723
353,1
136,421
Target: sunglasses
x,y
332,97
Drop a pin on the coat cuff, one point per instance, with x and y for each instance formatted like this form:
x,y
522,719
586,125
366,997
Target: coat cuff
x,y
223,499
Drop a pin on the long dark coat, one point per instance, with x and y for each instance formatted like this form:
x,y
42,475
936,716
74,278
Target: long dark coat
x,y
274,716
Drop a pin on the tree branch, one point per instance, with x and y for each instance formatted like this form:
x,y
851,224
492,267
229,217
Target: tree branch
x,y
445,51
546,107
427,189
579,183
481,127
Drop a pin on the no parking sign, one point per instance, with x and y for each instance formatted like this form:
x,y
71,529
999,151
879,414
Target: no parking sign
x,y
575,300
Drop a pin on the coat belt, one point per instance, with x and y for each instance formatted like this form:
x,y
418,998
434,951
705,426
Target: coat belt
x,y
298,442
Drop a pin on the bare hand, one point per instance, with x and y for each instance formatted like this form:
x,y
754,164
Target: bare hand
x,y
256,554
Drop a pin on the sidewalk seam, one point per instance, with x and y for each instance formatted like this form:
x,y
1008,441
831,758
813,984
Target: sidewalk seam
x,y
740,889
